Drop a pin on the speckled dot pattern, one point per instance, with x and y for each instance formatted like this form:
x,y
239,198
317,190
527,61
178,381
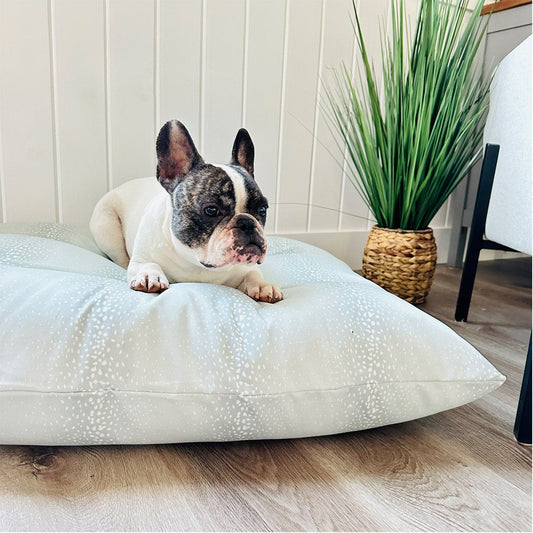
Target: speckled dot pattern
x,y
86,360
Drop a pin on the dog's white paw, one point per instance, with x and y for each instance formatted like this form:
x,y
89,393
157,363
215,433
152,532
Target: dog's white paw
x,y
261,291
149,281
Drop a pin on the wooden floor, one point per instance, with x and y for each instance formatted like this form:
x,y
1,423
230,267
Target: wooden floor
x,y
458,470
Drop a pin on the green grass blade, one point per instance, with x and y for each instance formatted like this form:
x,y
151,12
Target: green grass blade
x,y
407,151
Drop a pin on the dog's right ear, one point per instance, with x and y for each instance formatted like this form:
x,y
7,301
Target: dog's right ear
x,y
176,154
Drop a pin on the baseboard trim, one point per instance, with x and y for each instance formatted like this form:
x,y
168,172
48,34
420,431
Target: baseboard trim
x,y
349,245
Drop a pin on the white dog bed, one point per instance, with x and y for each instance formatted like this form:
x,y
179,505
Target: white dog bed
x,y
86,360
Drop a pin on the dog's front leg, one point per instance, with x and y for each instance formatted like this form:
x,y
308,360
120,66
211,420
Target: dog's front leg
x,y
144,271
257,288
146,277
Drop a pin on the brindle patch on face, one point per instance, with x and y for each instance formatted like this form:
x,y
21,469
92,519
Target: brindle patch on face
x,y
205,186
229,237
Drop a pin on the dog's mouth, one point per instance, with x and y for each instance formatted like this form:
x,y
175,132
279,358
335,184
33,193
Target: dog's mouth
x,y
252,252
253,248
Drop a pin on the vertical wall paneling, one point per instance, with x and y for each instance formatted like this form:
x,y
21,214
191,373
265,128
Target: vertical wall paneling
x,y
447,218
80,106
316,116
338,47
439,220
371,15
223,77
264,68
85,86
282,86
353,212
300,99
107,78
53,89
180,55
131,88
26,115
3,201
203,55
245,45
157,65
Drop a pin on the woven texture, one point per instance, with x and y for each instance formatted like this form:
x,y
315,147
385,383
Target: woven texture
x,y
401,261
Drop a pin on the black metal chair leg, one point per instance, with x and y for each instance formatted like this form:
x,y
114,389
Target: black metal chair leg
x,y
522,425
477,229
467,278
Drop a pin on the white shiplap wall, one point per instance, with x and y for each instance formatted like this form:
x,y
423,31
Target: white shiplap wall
x,y
85,86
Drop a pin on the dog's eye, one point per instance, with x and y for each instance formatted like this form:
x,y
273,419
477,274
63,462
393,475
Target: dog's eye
x,y
262,211
211,211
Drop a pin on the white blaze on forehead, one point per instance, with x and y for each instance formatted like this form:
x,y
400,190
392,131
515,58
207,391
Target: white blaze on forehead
x,y
238,185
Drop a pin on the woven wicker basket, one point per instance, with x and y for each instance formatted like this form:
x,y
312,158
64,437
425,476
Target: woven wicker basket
x,y
401,261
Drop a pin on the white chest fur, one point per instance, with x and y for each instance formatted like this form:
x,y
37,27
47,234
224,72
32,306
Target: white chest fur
x,y
145,209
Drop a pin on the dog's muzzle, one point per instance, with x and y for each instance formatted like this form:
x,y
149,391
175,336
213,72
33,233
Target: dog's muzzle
x,y
241,242
249,241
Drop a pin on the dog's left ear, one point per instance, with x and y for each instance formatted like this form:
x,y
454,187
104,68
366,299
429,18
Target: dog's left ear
x,y
243,151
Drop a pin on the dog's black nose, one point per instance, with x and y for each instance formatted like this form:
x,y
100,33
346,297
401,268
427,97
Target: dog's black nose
x,y
245,223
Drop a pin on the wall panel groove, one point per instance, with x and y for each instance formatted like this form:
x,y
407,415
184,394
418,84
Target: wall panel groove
x,y
87,85
245,61
3,215
157,73
300,98
109,153
55,139
223,77
203,52
316,115
286,21
345,152
180,65
79,106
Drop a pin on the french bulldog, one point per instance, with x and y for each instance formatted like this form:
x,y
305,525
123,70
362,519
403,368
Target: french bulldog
x,y
197,222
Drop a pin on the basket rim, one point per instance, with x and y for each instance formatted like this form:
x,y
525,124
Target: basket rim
x,y
399,230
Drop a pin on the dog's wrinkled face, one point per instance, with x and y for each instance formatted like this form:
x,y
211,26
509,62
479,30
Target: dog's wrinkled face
x,y
218,210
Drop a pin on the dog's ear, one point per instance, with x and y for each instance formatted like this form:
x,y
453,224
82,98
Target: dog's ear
x,y
176,154
243,151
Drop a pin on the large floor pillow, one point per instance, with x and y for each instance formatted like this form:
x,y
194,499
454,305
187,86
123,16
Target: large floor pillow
x,y
86,360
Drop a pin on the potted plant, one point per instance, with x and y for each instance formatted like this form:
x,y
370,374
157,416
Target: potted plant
x,y
410,146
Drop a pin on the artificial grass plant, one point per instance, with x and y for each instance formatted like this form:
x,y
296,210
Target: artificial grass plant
x,y
408,148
